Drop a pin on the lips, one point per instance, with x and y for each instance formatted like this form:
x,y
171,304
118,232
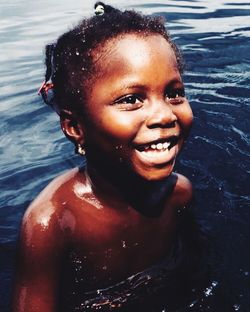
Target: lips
x,y
158,152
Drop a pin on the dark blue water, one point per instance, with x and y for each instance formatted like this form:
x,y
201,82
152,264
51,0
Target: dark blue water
x,y
214,36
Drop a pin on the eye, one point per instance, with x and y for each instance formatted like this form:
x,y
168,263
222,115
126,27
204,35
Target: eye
x,y
129,102
175,96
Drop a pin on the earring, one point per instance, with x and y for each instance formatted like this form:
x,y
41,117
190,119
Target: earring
x,y
80,150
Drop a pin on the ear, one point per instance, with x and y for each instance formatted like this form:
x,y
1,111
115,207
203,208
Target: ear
x,y
72,127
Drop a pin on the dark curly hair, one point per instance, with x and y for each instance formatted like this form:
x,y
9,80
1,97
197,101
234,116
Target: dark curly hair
x,y
70,60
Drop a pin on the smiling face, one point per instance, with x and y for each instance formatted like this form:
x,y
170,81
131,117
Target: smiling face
x,y
137,113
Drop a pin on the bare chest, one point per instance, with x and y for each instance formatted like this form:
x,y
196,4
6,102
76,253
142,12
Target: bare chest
x,y
113,253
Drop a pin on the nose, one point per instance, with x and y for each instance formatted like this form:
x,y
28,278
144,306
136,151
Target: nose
x,y
161,115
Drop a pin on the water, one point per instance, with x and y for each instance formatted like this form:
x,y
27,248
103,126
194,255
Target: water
x,y
214,36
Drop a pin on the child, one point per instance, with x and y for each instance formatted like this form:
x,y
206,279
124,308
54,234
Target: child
x,y
115,81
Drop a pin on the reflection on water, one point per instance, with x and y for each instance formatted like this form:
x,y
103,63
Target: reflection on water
x,y
214,36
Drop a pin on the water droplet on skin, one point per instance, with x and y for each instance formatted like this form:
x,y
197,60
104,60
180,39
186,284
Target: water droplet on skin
x,y
124,244
118,147
209,290
236,307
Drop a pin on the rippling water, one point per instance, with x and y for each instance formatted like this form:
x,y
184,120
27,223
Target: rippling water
x,y
214,36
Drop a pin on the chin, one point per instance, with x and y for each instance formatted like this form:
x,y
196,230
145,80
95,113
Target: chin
x,y
157,174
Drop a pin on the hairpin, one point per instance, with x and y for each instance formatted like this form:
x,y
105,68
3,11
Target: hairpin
x,y
46,91
45,87
99,8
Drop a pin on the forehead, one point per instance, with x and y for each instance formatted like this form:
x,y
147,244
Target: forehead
x,y
133,51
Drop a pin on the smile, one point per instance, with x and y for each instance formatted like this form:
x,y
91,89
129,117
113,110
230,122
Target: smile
x,y
158,152
158,146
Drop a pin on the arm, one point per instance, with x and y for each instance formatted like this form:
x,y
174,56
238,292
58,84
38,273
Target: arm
x,y
38,262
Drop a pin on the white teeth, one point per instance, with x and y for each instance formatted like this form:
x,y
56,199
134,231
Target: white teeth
x,y
166,144
159,146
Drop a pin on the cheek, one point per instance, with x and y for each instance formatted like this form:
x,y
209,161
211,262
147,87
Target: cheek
x,y
118,126
185,117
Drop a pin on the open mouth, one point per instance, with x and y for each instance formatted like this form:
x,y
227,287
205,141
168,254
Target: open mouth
x,y
158,145
158,152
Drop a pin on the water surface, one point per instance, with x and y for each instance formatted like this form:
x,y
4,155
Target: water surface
x,y
214,36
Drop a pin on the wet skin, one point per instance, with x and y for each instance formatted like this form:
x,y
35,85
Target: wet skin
x,y
135,102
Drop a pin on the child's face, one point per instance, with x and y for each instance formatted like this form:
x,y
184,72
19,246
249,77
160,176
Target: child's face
x,y
137,112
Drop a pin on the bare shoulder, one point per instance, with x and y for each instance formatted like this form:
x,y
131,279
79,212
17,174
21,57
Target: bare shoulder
x,y
54,188
183,192
47,200
42,220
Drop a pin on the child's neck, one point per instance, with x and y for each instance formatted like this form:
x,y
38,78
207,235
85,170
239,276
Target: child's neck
x,y
147,197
